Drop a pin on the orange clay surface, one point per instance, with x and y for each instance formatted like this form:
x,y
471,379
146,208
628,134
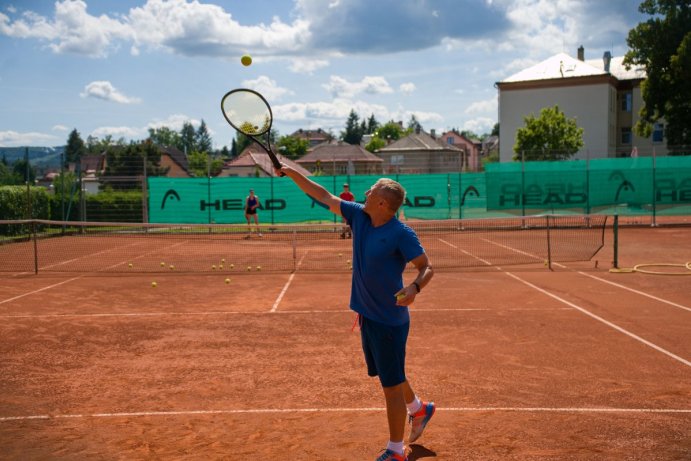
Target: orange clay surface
x,y
576,363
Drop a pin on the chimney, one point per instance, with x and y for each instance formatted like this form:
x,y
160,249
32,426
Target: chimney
x,y
433,133
581,53
607,59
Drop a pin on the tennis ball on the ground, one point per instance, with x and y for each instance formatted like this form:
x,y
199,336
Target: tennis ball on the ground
x,y
246,60
130,264
223,260
340,255
227,281
220,267
249,268
162,264
153,284
347,261
259,268
172,267
232,266
213,267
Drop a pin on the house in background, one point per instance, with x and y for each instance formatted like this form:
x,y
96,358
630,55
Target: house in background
x,y
420,152
255,162
472,149
601,94
314,137
175,161
340,158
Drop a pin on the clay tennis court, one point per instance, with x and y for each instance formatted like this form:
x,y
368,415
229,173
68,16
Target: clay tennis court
x,y
576,363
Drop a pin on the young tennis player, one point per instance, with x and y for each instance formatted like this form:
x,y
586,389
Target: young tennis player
x,y
382,246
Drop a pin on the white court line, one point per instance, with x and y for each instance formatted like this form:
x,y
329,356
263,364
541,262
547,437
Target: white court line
x,y
285,287
590,314
343,410
302,312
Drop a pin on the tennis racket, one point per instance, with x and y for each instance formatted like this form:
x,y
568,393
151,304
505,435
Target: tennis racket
x,y
249,113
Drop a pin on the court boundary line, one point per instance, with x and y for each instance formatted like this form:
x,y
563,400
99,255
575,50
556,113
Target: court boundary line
x,y
343,410
582,310
297,312
274,308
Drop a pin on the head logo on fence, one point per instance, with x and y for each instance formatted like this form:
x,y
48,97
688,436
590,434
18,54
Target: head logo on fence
x,y
169,193
469,190
625,185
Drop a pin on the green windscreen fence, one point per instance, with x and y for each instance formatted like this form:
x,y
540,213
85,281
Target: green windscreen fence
x,y
642,185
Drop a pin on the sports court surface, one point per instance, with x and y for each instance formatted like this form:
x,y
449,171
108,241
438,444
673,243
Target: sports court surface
x,y
523,363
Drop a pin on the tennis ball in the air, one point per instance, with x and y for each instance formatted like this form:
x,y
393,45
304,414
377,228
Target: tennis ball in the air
x,y
227,281
153,284
246,60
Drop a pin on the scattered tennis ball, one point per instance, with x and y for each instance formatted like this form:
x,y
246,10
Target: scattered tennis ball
x,y
246,60
223,260
232,266
153,284
172,267
162,264
213,267
227,281
347,261
340,255
259,268
130,264
220,267
249,268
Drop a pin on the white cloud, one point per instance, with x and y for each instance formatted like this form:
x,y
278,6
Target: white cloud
x,y
306,65
174,122
267,87
16,139
488,106
342,88
60,128
105,90
407,88
480,125
118,132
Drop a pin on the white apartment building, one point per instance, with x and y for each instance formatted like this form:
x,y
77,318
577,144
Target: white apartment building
x,y
602,95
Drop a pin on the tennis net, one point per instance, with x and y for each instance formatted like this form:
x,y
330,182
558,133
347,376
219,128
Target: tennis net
x,y
58,246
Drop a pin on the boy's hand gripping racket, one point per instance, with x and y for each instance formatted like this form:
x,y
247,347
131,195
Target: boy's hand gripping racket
x,y
248,112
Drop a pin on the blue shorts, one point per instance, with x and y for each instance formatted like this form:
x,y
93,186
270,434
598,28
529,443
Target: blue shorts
x,y
384,348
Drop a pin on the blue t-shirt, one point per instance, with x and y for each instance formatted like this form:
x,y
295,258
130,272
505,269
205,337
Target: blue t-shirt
x,y
380,255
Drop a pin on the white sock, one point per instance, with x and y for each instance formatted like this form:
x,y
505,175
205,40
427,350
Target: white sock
x,y
398,447
414,406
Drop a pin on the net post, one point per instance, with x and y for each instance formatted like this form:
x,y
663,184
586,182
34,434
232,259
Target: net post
x,y
33,232
549,244
615,231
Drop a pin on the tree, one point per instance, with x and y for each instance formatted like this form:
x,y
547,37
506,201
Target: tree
x,y
164,136
128,161
551,136
353,132
75,147
203,138
202,165
187,138
662,46
22,173
495,130
293,147
372,125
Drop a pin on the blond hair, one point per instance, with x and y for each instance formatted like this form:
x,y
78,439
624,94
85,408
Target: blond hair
x,y
392,191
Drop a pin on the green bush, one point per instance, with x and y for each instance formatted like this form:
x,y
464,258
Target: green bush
x,y
14,204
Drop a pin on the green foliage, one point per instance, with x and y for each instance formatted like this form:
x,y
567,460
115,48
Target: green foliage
x,y
203,165
128,161
203,138
126,205
187,138
662,46
375,144
551,136
353,131
164,136
293,147
14,202
75,147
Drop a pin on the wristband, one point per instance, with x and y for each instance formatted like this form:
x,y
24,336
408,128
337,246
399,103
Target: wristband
x,y
417,286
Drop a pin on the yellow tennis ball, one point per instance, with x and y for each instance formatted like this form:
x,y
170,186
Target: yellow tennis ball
x,y
162,264
399,297
220,267
340,255
172,267
153,284
223,260
249,268
259,268
213,267
130,264
227,281
246,60
347,261
232,266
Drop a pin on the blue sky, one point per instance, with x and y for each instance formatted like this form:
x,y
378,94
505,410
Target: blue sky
x,y
120,67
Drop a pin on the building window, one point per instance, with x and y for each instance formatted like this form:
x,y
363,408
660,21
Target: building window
x,y
626,135
658,132
627,102
449,140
